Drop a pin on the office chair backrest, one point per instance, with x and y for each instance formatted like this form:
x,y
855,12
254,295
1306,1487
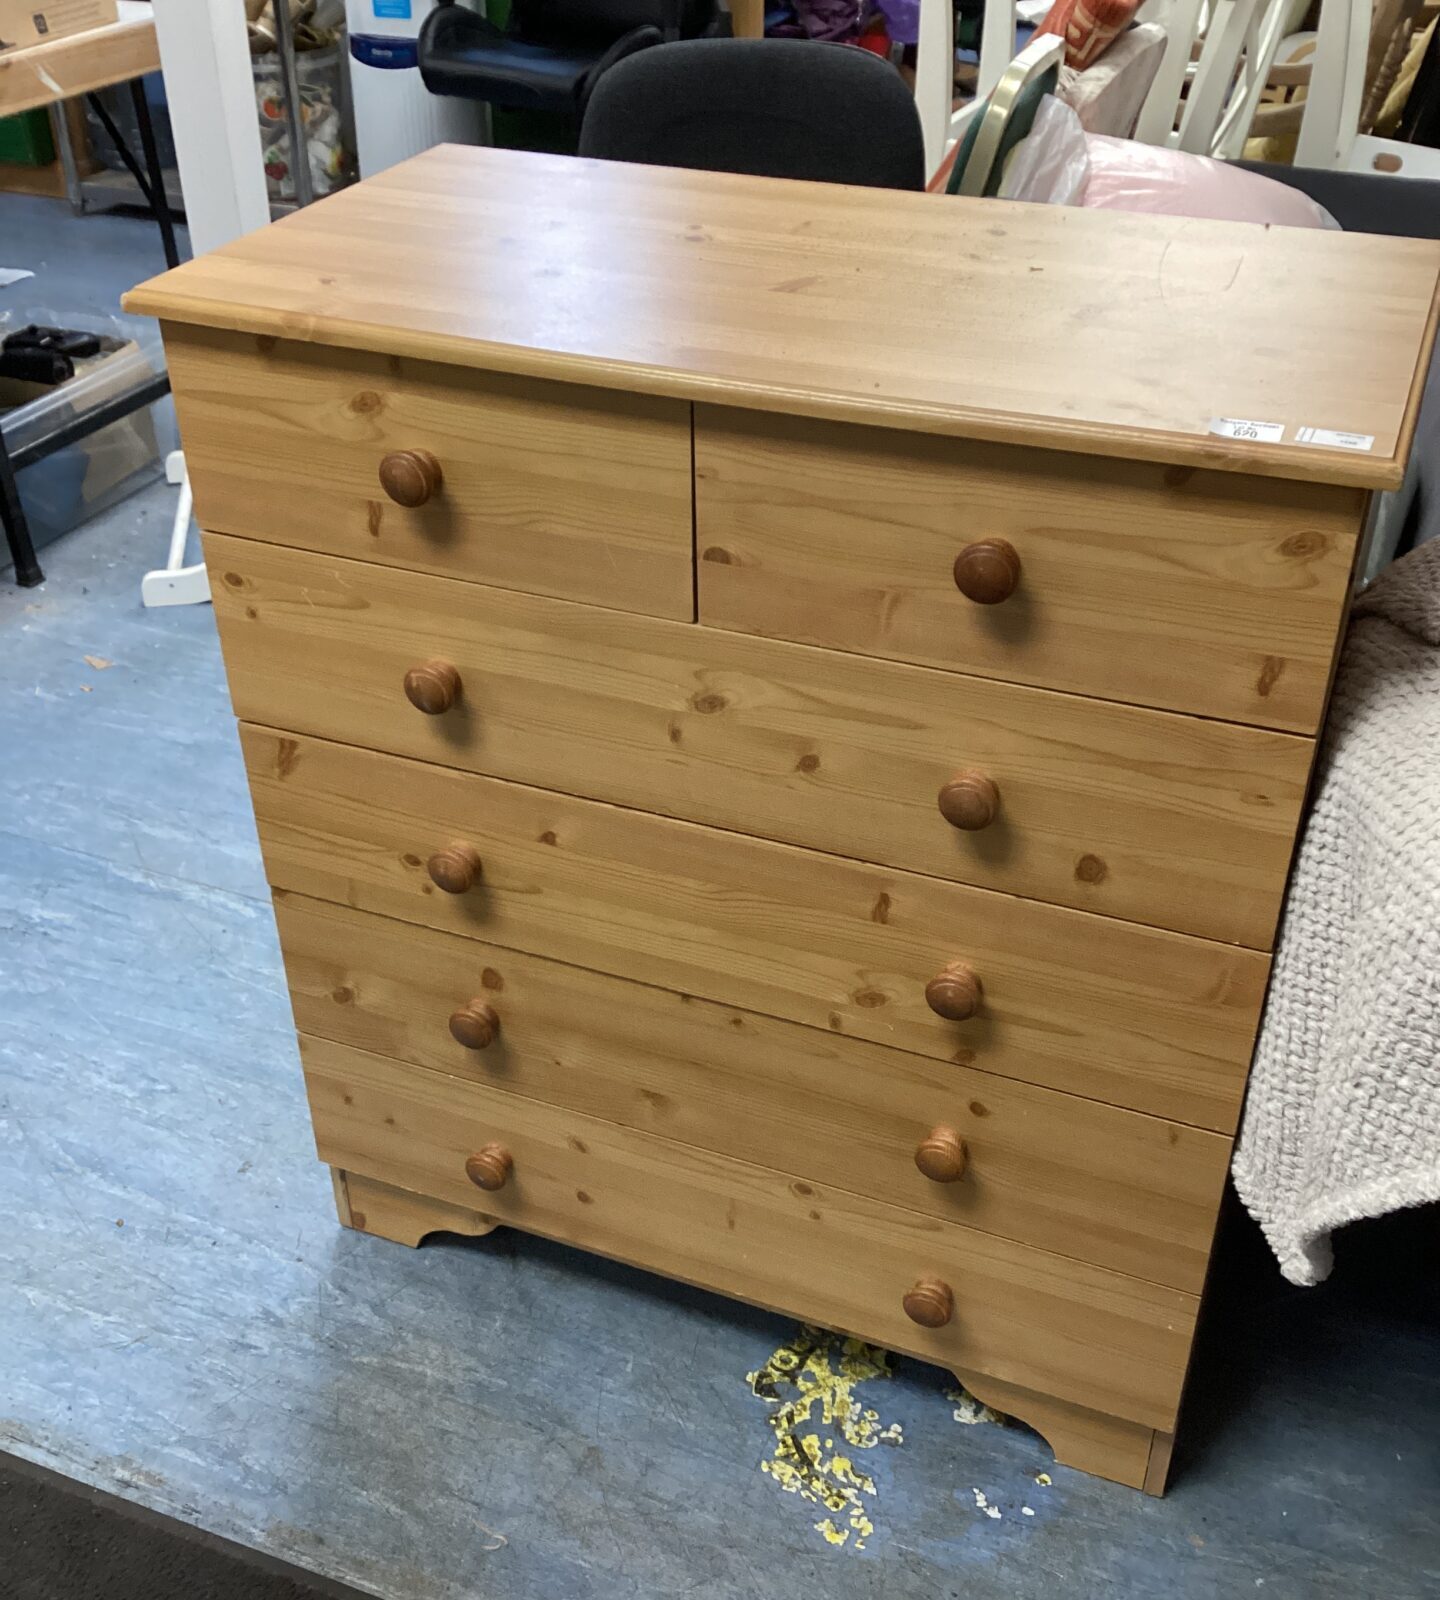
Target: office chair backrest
x,y
774,108
608,19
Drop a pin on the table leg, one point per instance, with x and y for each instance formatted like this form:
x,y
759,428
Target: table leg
x,y
151,182
17,529
65,149
159,203
747,19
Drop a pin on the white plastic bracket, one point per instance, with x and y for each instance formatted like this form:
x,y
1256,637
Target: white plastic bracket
x,y
175,584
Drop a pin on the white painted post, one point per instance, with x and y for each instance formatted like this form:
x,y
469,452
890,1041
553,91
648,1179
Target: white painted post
x,y
935,77
1331,119
205,55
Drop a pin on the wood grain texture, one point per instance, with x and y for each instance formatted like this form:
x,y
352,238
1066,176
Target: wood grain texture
x,y
1107,1186
1099,331
1194,591
1157,818
1115,1012
16,178
400,1215
1038,1320
546,487
1108,1447
1157,1469
44,74
342,1198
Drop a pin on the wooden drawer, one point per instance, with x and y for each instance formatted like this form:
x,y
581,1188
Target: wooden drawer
x,y
1109,1342
545,486
1197,591
1130,1015
1157,818
1112,1187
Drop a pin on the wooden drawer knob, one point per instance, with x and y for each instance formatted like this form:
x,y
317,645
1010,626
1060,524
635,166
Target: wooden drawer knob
x,y
455,869
954,993
410,477
475,1025
940,1155
432,687
930,1303
987,571
490,1167
969,800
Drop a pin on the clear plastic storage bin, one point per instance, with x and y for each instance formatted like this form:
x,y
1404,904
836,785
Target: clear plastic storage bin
x,y
85,478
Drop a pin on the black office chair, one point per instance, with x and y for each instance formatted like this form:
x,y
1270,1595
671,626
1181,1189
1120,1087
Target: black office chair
x,y
1365,202
553,51
773,108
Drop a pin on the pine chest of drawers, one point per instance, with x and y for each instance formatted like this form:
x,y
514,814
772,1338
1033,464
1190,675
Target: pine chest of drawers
x,y
778,721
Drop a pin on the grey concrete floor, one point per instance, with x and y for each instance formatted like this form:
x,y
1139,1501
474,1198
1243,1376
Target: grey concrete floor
x,y
182,1320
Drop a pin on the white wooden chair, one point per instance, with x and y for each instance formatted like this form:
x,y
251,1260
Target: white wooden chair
x,y
1183,21
1204,106
941,124
1273,28
1335,99
1238,40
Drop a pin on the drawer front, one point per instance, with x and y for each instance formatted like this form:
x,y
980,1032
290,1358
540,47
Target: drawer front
x,y
1042,1321
543,486
1129,1015
1157,818
1203,592
1112,1187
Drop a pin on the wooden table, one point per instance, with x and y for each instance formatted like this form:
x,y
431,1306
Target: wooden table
x,y
123,51
80,64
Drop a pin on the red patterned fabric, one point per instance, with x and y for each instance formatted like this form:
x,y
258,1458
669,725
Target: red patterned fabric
x,y
1088,27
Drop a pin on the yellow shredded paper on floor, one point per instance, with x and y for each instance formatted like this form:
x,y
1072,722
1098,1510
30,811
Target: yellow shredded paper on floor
x,y
810,1383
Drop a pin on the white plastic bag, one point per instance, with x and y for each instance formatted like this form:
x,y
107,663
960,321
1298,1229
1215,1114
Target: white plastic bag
x,y
1052,165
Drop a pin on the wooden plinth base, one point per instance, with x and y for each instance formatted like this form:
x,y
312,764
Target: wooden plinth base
x,y
1108,1447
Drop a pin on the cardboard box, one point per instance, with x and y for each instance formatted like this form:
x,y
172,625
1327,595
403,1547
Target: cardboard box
x,y
27,22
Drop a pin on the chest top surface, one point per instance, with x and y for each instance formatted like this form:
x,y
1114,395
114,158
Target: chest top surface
x,y
1094,331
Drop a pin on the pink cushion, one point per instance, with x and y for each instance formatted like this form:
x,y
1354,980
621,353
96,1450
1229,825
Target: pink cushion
x,y
1125,176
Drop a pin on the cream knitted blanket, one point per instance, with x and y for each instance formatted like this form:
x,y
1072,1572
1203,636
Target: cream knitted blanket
x,y
1343,1115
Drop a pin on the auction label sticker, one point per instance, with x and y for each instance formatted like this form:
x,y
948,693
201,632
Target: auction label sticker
x,y
1335,439
1255,432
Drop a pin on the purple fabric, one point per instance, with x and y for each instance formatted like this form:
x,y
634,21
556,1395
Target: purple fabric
x,y
836,20
902,20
